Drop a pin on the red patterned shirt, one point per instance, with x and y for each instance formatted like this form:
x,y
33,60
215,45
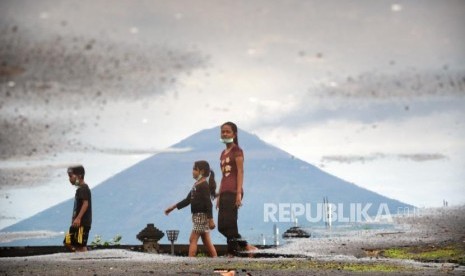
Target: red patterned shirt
x,y
229,169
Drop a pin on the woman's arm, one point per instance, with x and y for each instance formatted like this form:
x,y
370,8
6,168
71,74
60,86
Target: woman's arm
x,y
240,179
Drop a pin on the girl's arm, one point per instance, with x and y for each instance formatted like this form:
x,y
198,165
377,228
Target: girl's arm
x,y
181,204
211,224
169,209
204,194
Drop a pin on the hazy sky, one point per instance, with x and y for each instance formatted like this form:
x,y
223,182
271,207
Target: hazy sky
x,y
370,91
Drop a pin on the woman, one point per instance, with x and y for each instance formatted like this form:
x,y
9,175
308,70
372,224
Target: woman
x,y
231,189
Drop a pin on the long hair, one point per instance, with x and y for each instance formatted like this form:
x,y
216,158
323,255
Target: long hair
x,y
234,129
212,184
207,172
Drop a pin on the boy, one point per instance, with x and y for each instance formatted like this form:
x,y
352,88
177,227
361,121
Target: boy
x,y
76,238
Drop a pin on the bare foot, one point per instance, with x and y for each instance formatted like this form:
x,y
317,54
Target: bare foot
x,y
70,247
81,249
227,273
250,248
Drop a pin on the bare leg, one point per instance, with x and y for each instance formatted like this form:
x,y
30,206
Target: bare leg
x,y
193,244
208,244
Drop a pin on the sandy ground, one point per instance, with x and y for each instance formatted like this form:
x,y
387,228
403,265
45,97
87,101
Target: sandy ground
x,y
357,252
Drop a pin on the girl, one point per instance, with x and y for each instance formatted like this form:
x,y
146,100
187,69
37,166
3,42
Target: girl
x,y
231,191
199,198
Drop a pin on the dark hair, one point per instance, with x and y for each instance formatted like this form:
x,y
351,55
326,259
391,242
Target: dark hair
x,y
234,129
77,170
203,165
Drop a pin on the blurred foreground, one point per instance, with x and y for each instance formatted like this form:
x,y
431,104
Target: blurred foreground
x,y
427,243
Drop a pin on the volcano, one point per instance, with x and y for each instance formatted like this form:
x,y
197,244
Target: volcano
x,y
279,189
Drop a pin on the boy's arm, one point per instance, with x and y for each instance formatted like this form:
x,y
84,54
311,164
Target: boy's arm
x,y
77,220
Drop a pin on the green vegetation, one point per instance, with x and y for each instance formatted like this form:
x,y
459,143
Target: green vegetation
x,y
116,240
450,253
374,267
202,254
293,264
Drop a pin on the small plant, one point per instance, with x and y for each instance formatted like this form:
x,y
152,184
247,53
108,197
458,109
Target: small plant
x,y
201,254
367,227
99,242
448,253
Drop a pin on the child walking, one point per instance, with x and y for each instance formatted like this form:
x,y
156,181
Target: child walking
x,y
200,198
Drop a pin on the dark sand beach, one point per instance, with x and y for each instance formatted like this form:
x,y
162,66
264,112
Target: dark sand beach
x,y
428,242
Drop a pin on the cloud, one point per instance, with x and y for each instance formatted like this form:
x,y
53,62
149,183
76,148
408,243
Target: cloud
x,y
64,69
27,176
23,136
34,171
418,157
422,157
374,98
400,85
51,84
12,236
126,151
